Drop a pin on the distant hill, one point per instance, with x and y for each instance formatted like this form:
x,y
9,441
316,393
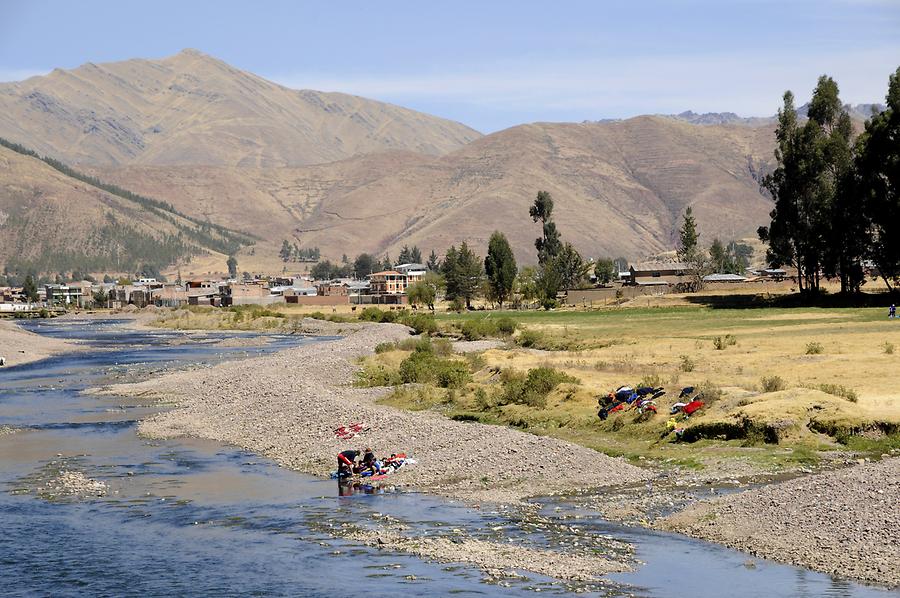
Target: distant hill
x,y
620,189
55,219
858,112
194,109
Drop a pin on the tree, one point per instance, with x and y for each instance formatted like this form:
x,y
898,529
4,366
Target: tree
x,y
877,176
286,251
500,268
433,264
689,251
621,264
718,256
570,267
605,271
232,267
386,263
421,293
548,244
100,298
364,264
409,256
29,289
323,270
814,221
462,271
526,287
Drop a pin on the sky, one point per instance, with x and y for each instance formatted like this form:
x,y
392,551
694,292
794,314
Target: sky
x,y
496,64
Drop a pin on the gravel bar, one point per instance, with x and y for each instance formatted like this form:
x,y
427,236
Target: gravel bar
x,y
844,522
286,406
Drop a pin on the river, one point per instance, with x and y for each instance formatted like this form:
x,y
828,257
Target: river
x,y
193,517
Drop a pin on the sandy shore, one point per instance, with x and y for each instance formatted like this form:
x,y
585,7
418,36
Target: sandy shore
x,y
19,346
286,406
844,522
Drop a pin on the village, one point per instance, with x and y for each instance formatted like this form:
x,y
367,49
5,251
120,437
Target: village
x,y
386,288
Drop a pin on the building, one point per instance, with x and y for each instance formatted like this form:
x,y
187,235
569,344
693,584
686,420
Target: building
x,y
413,272
660,273
63,295
248,294
724,278
387,282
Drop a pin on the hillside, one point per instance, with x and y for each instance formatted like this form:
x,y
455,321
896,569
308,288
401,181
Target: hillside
x,y
620,188
194,109
51,221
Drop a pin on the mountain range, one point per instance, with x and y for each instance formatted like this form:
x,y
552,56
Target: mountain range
x,y
346,174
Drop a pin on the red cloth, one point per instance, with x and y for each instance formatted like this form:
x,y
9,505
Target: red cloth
x,y
692,406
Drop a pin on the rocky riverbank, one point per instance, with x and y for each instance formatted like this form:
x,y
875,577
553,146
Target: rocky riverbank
x,y
844,522
18,346
287,405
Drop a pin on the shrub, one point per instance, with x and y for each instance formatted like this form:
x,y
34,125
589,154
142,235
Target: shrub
x,y
839,391
709,391
814,348
687,364
531,389
506,326
317,315
483,399
653,380
772,384
423,366
384,347
418,367
420,322
442,346
722,342
888,347
377,375
529,338
451,373
473,330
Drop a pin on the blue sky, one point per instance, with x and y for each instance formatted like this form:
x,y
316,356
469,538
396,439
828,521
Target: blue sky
x,y
492,64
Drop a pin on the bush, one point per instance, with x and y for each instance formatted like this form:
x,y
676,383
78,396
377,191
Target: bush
x,y
420,322
418,367
506,326
451,373
814,348
384,347
888,347
377,375
772,384
531,389
653,380
423,366
317,315
722,342
709,391
442,346
839,391
529,338
687,364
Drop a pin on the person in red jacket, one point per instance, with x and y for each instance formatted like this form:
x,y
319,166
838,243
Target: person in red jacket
x,y
346,461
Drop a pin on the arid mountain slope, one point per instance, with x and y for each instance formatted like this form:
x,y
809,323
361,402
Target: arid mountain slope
x,y
194,109
619,187
52,222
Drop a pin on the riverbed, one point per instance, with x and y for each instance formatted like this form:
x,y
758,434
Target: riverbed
x,y
196,517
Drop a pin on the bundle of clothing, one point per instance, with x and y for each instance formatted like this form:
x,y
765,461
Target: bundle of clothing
x,y
642,399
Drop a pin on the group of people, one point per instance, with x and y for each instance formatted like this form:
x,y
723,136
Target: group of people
x,y
368,464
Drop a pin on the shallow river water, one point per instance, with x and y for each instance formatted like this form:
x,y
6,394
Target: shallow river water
x,y
192,517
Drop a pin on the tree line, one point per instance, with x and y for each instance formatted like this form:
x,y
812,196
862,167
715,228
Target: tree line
x,y
836,198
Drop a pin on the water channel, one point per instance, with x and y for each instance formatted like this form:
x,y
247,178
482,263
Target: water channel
x,y
193,517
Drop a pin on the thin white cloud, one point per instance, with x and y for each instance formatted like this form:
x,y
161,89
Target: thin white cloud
x,y
747,84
